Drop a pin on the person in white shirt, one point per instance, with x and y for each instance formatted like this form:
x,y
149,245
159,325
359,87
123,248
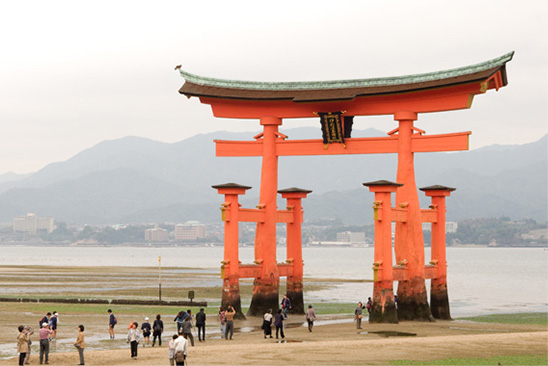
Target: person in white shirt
x,y
180,345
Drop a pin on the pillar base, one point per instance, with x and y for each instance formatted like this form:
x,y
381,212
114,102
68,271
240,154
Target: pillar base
x,y
439,299
231,296
412,301
295,295
265,296
383,309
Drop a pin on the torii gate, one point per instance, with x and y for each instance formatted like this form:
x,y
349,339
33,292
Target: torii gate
x,y
403,97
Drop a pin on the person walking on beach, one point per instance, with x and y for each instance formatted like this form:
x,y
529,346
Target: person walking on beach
x,y
80,344
358,315
229,322
22,344
133,338
267,323
44,334
171,350
310,317
31,332
180,318
53,325
145,327
180,350
200,324
369,305
111,323
286,305
187,330
279,323
157,330
222,320
45,319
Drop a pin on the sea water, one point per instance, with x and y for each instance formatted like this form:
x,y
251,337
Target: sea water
x,y
480,280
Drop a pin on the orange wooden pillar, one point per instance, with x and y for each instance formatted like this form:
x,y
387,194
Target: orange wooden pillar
x,y
439,298
230,265
384,307
294,247
409,240
267,282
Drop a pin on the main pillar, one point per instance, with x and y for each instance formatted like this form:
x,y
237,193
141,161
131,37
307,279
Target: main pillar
x,y
409,241
267,282
439,298
231,264
294,248
383,309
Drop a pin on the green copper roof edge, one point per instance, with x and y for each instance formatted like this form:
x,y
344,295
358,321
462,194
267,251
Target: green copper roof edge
x,y
341,84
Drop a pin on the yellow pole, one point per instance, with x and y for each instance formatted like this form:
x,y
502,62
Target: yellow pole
x,y
160,279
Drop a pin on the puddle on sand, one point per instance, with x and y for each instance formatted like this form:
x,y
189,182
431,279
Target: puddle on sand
x,y
289,341
388,333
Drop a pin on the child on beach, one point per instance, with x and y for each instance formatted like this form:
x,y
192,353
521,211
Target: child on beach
x,y
145,327
133,338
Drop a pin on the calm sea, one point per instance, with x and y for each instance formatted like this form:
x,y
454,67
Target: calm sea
x,y
480,280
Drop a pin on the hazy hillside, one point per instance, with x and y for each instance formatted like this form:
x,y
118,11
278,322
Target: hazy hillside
x,y
133,180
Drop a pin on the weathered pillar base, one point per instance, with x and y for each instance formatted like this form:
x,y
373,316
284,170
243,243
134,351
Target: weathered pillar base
x,y
384,307
295,295
231,296
265,296
439,299
413,300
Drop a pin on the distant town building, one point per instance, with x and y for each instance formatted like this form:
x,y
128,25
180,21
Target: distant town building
x,y
31,223
190,230
450,226
156,234
351,237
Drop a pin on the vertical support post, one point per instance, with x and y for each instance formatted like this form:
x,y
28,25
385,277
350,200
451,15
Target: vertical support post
x,y
231,264
409,241
439,298
383,309
294,198
267,282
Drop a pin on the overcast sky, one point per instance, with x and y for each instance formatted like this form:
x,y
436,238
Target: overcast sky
x,y
74,73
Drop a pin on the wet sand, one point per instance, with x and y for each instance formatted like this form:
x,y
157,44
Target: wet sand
x,y
336,344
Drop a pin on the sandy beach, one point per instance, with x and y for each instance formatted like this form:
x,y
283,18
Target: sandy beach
x,y
333,344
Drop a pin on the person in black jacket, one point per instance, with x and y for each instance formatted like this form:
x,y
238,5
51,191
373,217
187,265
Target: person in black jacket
x,y
200,324
157,330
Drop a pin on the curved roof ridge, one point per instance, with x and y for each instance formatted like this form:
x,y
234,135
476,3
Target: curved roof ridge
x,y
353,83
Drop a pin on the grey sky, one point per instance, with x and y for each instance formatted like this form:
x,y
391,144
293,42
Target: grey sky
x,y
74,73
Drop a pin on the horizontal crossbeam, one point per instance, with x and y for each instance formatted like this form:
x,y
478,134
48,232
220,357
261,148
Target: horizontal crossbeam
x,y
366,145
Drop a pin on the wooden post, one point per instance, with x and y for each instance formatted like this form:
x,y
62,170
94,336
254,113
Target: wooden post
x,y
409,240
267,282
294,247
439,298
384,307
231,263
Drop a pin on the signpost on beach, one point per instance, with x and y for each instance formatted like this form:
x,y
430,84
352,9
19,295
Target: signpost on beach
x,y
159,279
337,103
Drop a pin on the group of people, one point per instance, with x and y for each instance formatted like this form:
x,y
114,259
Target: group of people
x,y
46,335
226,318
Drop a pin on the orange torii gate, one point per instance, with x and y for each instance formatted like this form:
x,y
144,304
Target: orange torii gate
x,y
337,102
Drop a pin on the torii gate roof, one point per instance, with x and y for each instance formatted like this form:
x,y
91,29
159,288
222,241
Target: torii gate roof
x,y
342,90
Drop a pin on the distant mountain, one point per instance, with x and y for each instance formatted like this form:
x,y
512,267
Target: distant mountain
x,y
12,177
133,180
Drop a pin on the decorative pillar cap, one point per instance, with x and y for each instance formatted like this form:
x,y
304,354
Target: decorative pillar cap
x,y
382,186
437,187
437,191
230,185
382,183
294,192
231,188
